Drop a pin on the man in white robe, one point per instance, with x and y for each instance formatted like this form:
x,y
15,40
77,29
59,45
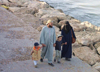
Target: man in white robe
x,y
48,39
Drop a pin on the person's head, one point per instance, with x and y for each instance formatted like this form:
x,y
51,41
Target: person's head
x,y
49,23
36,44
67,23
59,37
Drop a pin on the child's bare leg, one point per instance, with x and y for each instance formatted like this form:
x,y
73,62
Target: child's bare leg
x,y
35,63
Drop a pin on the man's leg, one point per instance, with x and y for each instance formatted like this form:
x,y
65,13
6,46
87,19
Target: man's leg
x,y
43,52
50,61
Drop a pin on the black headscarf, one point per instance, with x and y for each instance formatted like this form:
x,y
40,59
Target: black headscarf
x,y
67,27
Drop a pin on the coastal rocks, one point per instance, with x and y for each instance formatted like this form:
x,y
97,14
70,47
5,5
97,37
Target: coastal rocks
x,y
54,19
50,12
37,5
74,23
13,9
4,2
40,28
24,10
86,54
17,37
87,37
98,50
29,19
97,45
87,24
97,66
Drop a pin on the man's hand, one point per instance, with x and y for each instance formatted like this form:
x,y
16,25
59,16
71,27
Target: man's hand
x,y
43,45
65,43
54,44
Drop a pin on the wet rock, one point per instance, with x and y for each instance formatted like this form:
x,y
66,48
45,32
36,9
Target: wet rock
x,y
60,10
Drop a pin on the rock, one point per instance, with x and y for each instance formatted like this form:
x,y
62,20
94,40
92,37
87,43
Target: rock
x,y
37,5
60,10
29,19
17,37
74,23
13,9
87,24
86,54
97,66
54,19
87,37
50,12
24,10
22,3
40,27
97,45
98,50
4,2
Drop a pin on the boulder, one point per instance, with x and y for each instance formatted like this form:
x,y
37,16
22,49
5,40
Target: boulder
x,y
86,54
50,12
37,4
87,37
74,23
54,19
98,50
4,2
87,24
24,10
97,45
60,10
97,66
13,9
29,19
17,37
40,27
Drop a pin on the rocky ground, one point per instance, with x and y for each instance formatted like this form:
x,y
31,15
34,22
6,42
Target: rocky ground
x,y
20,27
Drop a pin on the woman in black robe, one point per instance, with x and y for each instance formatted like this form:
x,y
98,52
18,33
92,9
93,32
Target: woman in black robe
x,y
67,32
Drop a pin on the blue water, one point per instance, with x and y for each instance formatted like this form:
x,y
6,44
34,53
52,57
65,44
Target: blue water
x,y
83,10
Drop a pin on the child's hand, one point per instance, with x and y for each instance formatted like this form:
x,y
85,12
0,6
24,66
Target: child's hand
x,y
32,52
65,43
43,45
54,44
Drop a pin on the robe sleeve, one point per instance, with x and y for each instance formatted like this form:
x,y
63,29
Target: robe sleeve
x,y
73,34
54,37
42,37
63,39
